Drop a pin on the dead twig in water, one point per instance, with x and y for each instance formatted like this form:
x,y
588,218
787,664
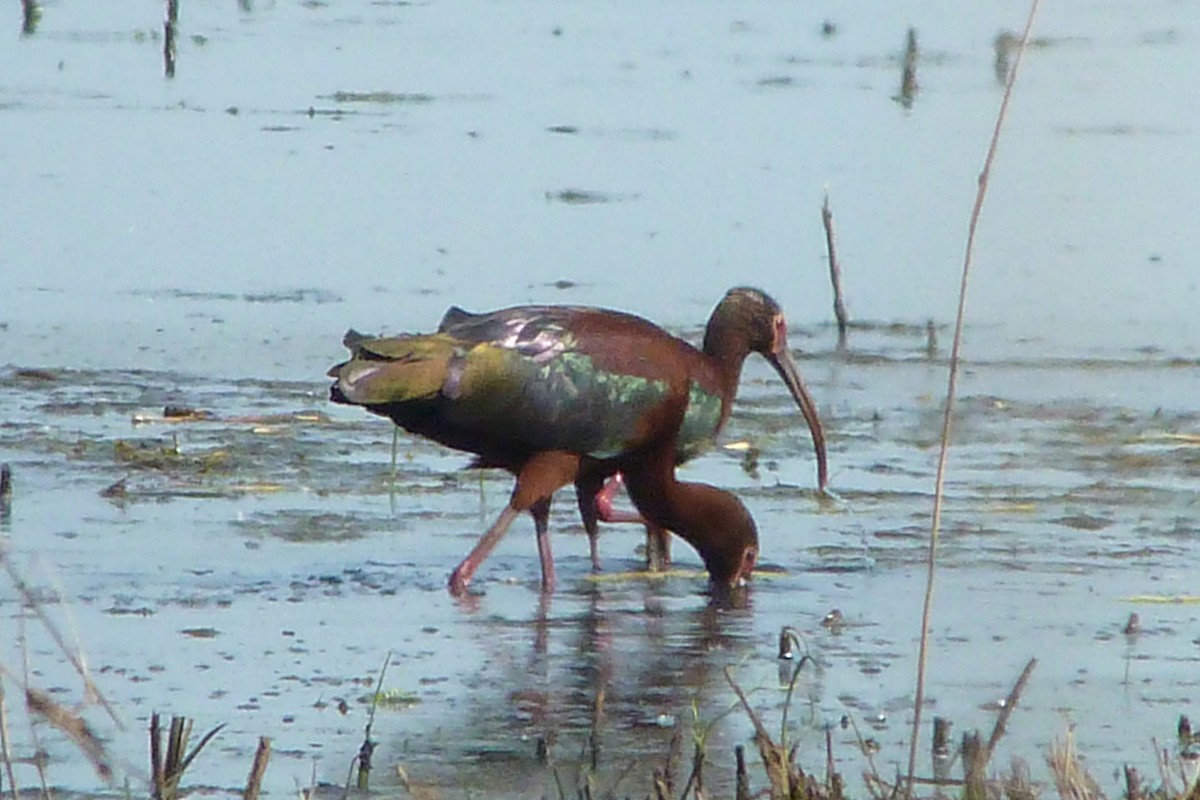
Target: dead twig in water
x,y
743,778
974,761
367,749
1010,703
908,75
258,769
170,26
955,351
6,489
835,272
31,14
166,773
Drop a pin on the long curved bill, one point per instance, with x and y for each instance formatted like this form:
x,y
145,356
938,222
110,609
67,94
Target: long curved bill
x,y
782,361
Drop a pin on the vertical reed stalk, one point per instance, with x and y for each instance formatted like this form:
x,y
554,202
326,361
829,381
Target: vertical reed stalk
x,y
956,349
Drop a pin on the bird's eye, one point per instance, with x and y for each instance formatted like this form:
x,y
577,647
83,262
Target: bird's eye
x,y
780,342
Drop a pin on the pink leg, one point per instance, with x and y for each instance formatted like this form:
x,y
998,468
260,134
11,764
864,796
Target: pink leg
x,y
541,521
604,503
658,541
487,543
586,491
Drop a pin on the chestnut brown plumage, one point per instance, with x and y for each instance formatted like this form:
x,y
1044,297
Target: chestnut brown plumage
x,y
561,394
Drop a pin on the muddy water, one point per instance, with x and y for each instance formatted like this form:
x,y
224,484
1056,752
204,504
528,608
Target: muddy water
x,y
203,242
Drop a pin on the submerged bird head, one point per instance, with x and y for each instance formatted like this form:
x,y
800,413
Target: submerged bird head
x,y
721,529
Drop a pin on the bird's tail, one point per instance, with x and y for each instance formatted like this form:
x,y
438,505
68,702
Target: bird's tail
x,y
394,369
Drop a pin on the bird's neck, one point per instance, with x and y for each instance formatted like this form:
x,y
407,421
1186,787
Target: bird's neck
x,y
711,520
726,350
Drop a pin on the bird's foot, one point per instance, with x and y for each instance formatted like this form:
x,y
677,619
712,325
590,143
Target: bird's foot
x,y
458,582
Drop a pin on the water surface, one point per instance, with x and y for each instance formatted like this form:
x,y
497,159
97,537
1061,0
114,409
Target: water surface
x,y
204,241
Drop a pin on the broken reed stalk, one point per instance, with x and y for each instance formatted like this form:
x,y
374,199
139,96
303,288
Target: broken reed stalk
x,y
1010,703
1133,784
258,769
974,761
742,791
166,773
939,751
955,351
39,761
835,271
31,12
367,749
170,26
908,72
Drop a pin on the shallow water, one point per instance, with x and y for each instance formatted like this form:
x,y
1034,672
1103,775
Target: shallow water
x,y
203,241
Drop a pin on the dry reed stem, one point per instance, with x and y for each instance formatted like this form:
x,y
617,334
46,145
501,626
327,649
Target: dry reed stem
x,y
258,769
974,761
5,748
1010,703
835,271
742,791
908,72
30,601
773,756
74,726
952,385
1194,792
367,749
31,13
166,773
170,27
1133,784
1070,777
1018,784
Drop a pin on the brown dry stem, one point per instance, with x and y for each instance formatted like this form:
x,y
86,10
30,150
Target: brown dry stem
x,y
951,392
835,272
258,769
74,726
166,773
1071,778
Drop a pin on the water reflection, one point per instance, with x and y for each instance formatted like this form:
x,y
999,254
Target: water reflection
x,y
6,493
598,679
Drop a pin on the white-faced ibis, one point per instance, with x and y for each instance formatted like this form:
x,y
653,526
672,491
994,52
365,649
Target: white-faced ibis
x,y
556,394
